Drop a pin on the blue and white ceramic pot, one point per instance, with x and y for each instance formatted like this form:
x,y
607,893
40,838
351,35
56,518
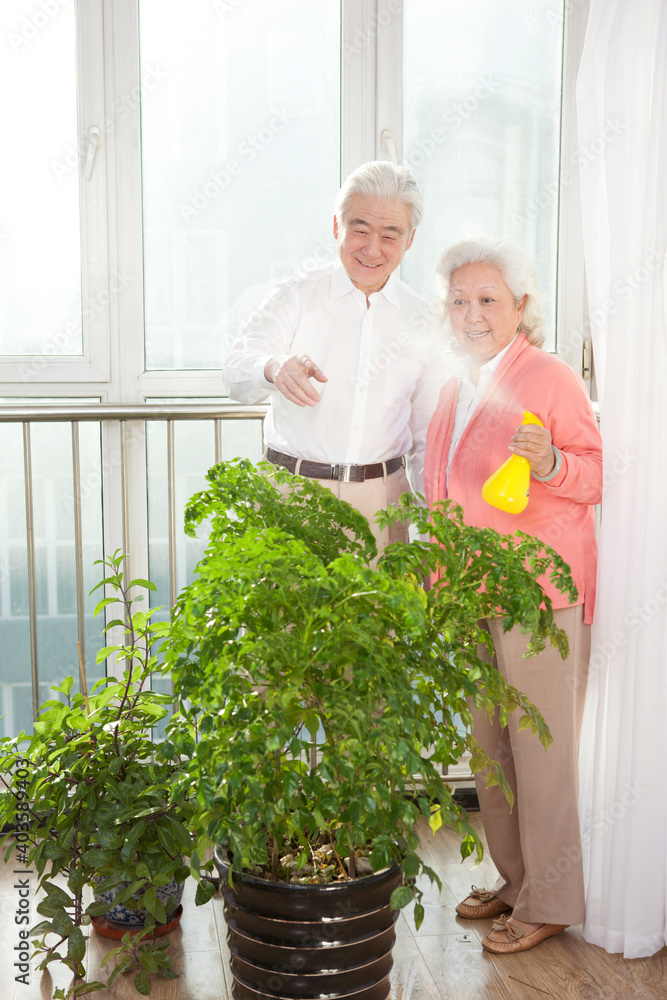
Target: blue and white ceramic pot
x,y
169,894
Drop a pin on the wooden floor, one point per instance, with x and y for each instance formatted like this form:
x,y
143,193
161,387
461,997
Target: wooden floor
x,y
443,961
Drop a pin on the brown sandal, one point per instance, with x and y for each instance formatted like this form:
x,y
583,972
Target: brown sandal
x,y
480,904
514,939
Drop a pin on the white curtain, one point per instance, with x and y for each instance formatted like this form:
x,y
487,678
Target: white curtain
x,y
622,111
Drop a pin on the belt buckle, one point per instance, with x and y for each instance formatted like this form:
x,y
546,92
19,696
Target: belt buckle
x,y
343,473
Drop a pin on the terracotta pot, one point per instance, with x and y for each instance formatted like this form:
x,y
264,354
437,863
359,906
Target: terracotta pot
x,y
309,941
108,929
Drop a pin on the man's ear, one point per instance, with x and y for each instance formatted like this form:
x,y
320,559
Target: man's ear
x,y
409,243
335,228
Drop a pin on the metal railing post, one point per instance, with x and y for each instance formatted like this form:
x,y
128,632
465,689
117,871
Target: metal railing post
x,y
171,511
125,501
218,441
78,545
30,554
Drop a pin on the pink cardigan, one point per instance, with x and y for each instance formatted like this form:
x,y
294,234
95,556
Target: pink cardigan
x,y
559,512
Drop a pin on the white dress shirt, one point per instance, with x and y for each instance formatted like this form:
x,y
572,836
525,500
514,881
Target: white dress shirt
x,y
381,362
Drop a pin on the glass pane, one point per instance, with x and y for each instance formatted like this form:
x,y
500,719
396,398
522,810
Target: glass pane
x,y
240,146
481,128
40,255
55,566
194,454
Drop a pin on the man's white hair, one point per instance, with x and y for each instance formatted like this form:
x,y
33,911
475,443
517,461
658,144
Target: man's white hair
x,y
514,264
381,179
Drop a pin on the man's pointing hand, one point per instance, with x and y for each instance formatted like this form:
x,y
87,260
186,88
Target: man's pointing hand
x,y
292,378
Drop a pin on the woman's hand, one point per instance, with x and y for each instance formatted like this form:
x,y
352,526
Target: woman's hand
x,y
534,443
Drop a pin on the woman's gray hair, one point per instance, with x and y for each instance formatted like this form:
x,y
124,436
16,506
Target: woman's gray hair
x,y
514,264
381,179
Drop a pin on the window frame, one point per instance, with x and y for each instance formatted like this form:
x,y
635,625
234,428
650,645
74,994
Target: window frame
x,y
572,324
48,374
112,365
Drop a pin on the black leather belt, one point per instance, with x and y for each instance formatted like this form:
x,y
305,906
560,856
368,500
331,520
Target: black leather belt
x,y
343,473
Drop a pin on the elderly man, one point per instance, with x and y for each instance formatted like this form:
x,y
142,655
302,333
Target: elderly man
x,y
344,353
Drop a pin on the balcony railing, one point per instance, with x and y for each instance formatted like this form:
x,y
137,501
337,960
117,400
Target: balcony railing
x,y
121,426
119,475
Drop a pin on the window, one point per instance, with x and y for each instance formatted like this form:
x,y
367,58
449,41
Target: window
x,y
169,162
481,129
53,234
240,158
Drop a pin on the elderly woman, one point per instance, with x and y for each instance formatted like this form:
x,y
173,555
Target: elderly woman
x,y
490,303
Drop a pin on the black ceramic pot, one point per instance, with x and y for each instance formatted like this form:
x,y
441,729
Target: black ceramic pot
x,y
309,941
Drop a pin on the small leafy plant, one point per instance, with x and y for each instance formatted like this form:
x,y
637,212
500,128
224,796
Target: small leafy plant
x,y
89,794
286,631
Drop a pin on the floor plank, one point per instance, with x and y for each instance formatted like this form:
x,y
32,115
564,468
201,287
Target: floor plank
x,y
556,970
444,960
410,977
650,973
460,968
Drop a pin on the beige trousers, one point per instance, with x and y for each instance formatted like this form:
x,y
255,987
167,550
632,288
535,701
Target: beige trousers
x,y
371,496
536,846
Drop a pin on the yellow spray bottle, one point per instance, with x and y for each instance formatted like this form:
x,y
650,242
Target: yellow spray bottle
x,y
509,485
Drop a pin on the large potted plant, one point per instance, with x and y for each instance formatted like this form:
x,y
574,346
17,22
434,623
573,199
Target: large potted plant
x,y
286,632
87,806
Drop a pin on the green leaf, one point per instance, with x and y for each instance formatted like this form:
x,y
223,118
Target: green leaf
x,y
411,866
111,580
149,899
123,965
142,983
467,847
128,850
62,923
44,927
65,687
419,915
104,603
94,857
105,652
81,989
400,897
148,584
97,908
148,961
205,890
435,819
181,835
56,896
76,945
166,838
160,912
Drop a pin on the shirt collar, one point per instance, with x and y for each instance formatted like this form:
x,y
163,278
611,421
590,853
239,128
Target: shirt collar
x,y
494,362
488,368
341,285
